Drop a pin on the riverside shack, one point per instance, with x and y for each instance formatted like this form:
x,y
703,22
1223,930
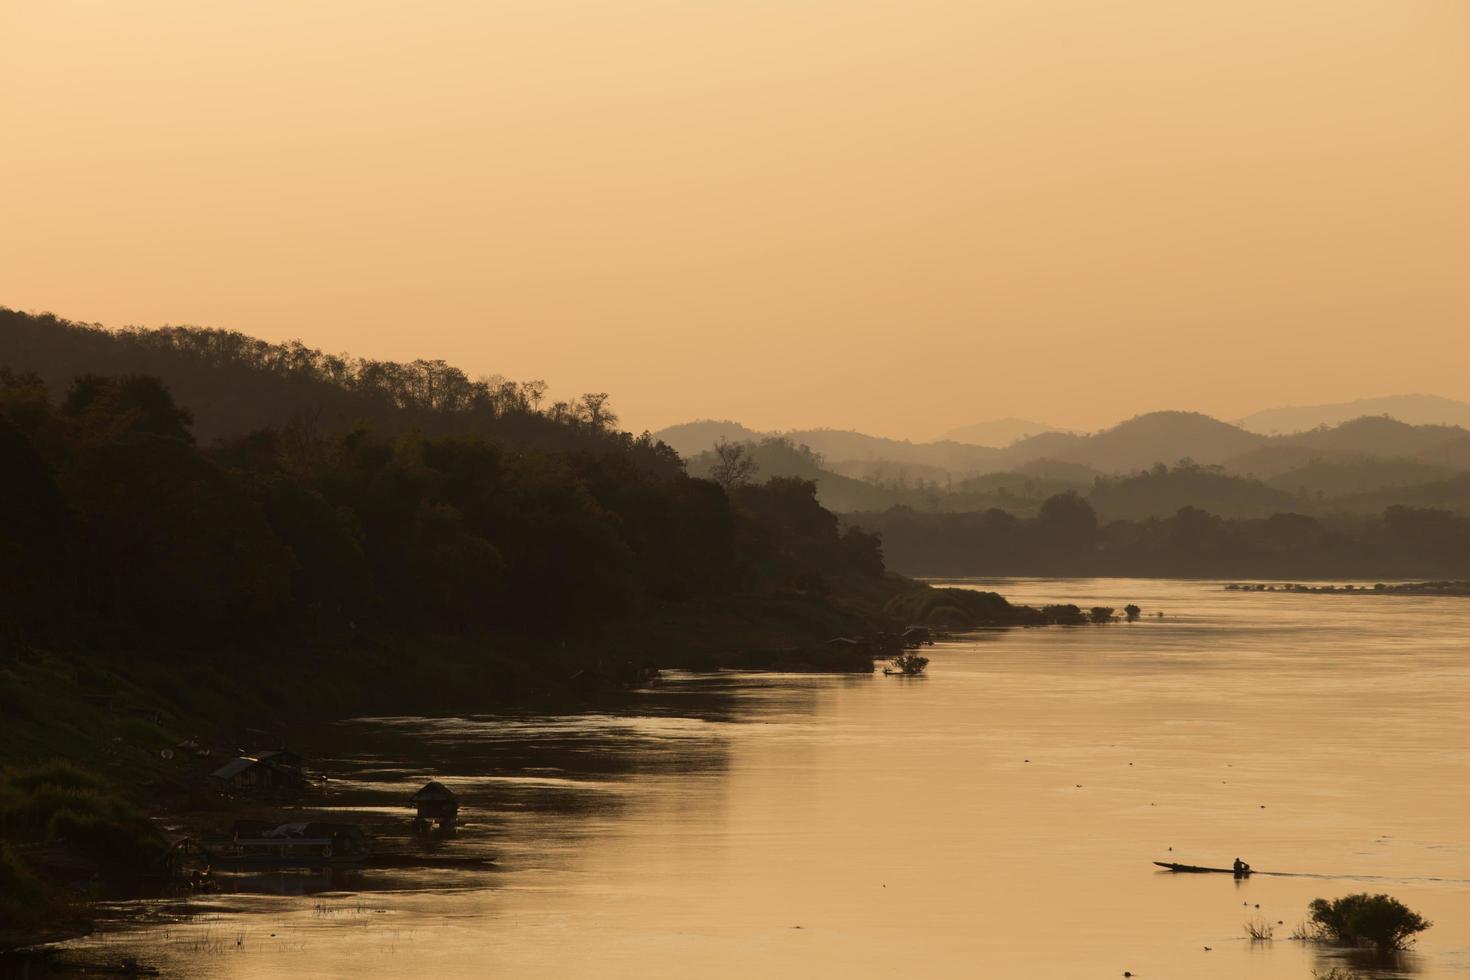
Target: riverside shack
x,y
259,775
435,803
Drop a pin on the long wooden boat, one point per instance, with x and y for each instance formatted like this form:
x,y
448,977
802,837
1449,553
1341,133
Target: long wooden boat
x,y
1197,870
288,852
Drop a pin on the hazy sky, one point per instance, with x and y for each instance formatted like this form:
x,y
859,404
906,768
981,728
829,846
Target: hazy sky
x,y
893,216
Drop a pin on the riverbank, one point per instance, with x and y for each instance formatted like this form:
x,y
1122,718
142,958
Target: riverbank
x,y
136,727
1447,588
724,809
142,728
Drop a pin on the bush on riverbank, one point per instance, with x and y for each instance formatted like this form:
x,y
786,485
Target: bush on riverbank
x,y
1064,615
968,609
62,823
24,901
911,664
61,804
1380,921
954,608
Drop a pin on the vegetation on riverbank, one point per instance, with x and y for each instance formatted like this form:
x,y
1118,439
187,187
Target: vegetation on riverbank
x,y
359,537
1067,539
62,827
1377,588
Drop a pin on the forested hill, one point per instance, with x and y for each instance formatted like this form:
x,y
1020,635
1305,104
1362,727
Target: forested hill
x,y
232,384
305,537
429,504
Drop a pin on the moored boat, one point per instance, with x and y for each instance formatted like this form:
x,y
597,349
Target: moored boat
x,y
1196,869
302,845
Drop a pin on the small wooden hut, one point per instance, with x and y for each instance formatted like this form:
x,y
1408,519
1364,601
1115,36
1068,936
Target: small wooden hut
x,y
435,803
259,777
917,636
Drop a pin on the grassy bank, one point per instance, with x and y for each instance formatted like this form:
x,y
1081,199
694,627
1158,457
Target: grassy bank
x,y
96,740
93,738
65,830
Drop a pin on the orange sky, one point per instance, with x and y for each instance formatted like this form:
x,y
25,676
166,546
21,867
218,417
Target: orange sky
x,y
895,216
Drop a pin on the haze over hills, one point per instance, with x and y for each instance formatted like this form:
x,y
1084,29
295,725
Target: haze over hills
x,y
996,433
839,446
1357,464
1173,487
692,438
1134,444
1143,441
1413,409
236,384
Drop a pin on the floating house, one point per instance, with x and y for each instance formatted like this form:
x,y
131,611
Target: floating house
x,y
435,803
259,775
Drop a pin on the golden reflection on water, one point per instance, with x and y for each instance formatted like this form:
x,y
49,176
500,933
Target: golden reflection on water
x,y
995,818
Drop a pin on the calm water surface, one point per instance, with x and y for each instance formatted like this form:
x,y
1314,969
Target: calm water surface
x,y
739,825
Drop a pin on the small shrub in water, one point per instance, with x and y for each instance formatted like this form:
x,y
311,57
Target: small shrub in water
x,y
1065,614
910,663
1368,920
1260,931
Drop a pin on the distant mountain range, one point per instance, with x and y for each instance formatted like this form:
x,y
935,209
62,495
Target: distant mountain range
x,y
839,446
997,433
1413,409
1365,460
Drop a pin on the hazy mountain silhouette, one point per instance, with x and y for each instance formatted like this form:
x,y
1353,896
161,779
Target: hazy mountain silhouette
x,y
1277,457
887,471
1139,443
996,433
847,488
1133,445
1413,409
1362,455
780,456
1361,443
1044,468
689,439
1162,492
1452,494
837,446
1454,453
1364,474
844,444
1047,445
1379,436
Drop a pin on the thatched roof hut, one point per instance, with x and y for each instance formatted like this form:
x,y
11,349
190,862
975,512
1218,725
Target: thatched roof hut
x,y
435,802
434,791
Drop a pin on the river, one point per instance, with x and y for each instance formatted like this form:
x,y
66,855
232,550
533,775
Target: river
x,y
996,817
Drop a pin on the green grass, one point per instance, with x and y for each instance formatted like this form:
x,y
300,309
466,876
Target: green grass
x,y
61,804
58,805
24,901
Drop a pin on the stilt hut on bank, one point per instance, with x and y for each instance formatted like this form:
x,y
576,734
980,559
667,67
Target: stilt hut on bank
x,y
435,804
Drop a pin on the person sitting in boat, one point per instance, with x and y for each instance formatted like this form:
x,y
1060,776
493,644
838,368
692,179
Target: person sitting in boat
x,y
1240,867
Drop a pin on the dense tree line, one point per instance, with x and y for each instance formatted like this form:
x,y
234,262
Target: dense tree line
x,y
233,384
1066,538
118,527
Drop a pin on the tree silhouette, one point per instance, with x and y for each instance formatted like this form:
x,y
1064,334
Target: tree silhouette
x,y
734,466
